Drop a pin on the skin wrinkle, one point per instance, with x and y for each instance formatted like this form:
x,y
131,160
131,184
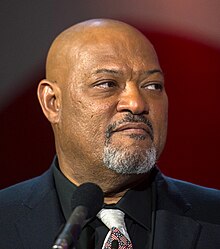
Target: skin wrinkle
x,y
87,112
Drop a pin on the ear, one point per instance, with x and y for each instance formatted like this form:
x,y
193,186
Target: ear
x,y
49,96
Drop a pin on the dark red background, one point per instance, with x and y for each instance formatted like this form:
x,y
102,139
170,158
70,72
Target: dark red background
x,y
192,81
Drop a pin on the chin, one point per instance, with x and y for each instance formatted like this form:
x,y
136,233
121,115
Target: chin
x,y
129,160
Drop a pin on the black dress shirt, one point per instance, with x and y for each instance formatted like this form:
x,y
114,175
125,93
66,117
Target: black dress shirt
x,y
138,204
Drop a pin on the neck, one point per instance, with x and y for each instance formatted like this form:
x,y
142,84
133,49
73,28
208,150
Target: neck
x,y
114,186
113,199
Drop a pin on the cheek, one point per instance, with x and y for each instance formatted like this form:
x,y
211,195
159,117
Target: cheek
x,y
159,116
100,115
91,119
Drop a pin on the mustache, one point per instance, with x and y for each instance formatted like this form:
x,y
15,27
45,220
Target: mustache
x,y
132,119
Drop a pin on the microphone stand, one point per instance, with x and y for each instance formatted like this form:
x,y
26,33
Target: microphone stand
x,y
71,231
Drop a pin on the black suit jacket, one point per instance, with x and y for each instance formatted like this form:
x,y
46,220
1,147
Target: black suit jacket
x,y
187,216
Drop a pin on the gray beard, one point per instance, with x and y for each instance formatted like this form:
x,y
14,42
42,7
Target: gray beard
x,y
123,161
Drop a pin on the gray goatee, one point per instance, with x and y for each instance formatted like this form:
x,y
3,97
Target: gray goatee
x,y
121,159
125,162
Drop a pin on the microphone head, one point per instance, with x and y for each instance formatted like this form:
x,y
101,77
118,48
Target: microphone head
x,y
90,196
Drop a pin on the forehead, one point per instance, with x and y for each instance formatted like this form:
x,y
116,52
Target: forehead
x,y
114,52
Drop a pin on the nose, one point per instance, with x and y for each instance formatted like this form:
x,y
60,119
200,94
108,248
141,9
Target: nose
x,y
131,100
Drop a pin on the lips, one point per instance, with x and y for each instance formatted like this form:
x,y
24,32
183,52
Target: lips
x,y
140,128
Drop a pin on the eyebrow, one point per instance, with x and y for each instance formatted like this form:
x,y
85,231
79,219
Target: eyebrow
x,y
105,70
113,71
153,71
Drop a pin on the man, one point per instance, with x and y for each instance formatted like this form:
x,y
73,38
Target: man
x,y
105,98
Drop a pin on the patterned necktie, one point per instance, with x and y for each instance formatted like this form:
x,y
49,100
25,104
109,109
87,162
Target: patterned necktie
x,y
117,237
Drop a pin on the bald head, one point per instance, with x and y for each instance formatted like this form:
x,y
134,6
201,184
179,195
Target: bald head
x,y
63,53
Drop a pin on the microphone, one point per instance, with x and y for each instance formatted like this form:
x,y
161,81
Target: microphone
x,y
87,200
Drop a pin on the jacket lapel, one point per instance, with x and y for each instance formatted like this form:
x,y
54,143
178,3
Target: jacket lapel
x,y
173,229
42,215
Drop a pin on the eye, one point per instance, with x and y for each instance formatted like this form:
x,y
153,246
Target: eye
x,y
105,84
154,86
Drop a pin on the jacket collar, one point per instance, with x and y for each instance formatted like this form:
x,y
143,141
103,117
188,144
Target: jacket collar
x,y
174,228
42,216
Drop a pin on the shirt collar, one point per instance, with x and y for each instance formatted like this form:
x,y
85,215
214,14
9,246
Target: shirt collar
x,y
136,203
65,189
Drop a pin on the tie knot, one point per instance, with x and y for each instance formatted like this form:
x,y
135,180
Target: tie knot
x,y
113,218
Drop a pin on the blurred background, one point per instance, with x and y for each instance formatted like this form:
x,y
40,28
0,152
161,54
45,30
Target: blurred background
x,y
186,35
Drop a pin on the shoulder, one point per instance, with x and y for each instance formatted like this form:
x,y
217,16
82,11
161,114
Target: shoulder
x,y
195,192
19,193
204,202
